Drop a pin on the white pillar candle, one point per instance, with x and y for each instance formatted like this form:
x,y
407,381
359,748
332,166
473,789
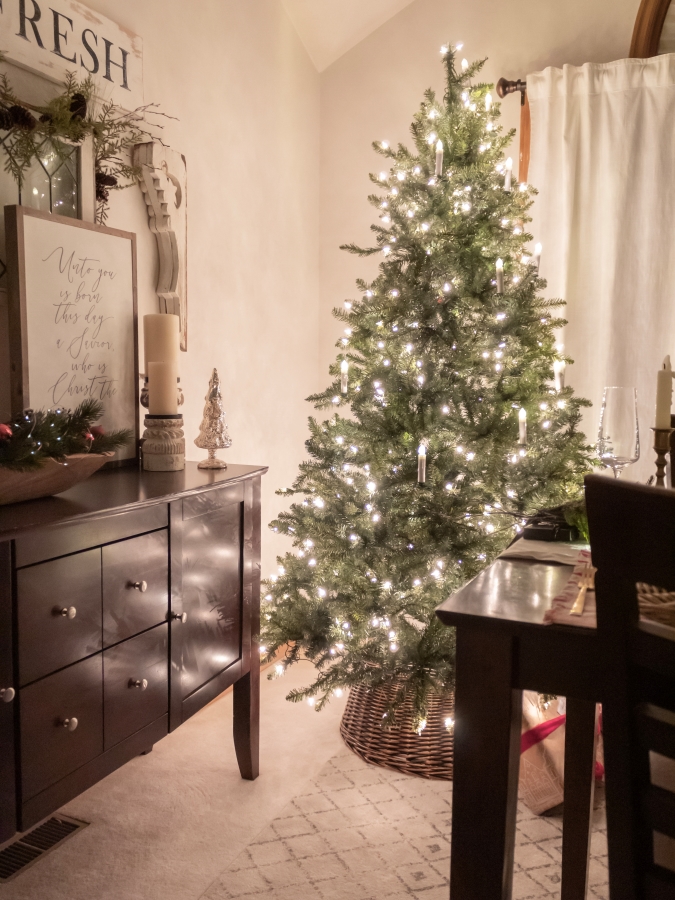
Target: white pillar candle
x,y
421,464
162,388
522,426
559,373
500,276
508,174
161,338
536,259
344,377
439,157
664,394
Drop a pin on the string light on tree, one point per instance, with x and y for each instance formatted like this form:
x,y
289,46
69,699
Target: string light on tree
x,y
437,333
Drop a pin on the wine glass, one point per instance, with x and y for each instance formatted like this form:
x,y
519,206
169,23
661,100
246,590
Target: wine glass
x,y
619,434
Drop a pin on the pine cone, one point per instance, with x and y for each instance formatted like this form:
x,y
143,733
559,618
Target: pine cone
x,y
22,118
5,120
78,106
105,180
46,118
101,194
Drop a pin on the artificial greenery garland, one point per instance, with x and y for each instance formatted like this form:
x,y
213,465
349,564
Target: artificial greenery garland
x,y
35,436
70,117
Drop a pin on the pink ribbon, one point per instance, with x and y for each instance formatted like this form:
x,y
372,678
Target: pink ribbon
x,y
539,732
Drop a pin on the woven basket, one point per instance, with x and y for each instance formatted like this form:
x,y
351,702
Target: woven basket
x,y
428,754
656,604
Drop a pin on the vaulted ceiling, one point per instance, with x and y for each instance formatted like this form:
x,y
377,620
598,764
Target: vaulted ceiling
x,y
329,28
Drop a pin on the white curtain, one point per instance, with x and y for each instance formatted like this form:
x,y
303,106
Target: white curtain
x,y
603,160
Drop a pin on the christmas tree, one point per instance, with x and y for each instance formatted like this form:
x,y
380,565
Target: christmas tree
x,y
454,431
213,434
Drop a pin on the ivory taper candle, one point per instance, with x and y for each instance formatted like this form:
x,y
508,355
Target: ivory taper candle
x,y
536,259
162,388
421,464
500,276
439,157
508,174
344,376
161,338
522,426
664,394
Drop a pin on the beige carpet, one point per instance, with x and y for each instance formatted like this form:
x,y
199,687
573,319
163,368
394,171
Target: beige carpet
x,y
319,824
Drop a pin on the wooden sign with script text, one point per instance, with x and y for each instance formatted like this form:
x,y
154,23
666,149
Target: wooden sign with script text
x,y
53,37
72,316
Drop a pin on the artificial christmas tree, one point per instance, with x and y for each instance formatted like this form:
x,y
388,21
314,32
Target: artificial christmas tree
x,y
455,431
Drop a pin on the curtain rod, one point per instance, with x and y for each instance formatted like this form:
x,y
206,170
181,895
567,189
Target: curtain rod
x,y
505,87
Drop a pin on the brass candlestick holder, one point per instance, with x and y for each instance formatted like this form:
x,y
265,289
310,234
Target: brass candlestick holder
x,y
661,448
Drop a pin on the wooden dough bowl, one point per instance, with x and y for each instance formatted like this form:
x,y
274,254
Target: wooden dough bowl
x,y
51,478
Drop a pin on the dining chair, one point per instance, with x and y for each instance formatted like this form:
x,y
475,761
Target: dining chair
x,y
632,533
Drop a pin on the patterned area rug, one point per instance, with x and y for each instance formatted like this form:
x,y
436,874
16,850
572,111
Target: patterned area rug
x,y
359,832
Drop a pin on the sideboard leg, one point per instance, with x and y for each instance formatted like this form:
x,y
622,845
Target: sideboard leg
x,y
247,723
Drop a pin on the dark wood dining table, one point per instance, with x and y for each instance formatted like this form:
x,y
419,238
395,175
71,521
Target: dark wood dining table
x,y
504,647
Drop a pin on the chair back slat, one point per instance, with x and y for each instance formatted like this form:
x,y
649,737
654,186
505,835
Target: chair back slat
x,y
632,529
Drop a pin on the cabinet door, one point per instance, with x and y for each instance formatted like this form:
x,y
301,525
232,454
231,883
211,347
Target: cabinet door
x,y
212,586
8,701
59,611
135,585
135,684
61,724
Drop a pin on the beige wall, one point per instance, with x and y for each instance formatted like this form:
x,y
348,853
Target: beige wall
x,y
372,92
246,97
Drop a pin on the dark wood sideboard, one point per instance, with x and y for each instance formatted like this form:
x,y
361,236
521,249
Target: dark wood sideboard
x,y
126,604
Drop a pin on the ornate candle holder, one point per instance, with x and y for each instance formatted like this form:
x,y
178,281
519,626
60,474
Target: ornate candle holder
x,y
661,448
163,444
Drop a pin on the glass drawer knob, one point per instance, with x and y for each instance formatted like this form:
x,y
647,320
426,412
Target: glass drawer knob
x,y
141,683
70,724
141,586
68,612
7,694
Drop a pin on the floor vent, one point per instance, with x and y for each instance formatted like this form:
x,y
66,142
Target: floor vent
x,y
28,848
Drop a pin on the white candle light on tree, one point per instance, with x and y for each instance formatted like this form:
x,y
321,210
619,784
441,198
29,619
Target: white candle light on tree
x,y
439,157
508,174
162,388
664,394
161,338
536,259
465,65
559,374
421,464
500,276
344,376
522,426
488,102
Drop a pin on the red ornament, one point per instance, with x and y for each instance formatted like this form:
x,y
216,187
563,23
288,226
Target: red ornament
x,y
97,431
5,432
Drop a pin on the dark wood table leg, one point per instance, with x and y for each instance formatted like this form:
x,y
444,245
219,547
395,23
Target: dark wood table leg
x,y
580,746
488,714
246,702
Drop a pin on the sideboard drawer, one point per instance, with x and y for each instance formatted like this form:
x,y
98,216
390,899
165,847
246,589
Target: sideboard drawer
x,y
61,724
135,684
59,612
135,585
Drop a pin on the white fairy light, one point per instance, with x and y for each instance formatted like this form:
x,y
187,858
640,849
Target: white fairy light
x,y
471,455
546,424
420,728
353,537
393,647
385,362
432,137
279,669
310,701
321,592
376,517
400,176
386,250
386,219
318,502
445,410
449,723
371,486
417,582
444,50
338,692
425,226
387,585
383,176
384,145
500,317
420,379
435,574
